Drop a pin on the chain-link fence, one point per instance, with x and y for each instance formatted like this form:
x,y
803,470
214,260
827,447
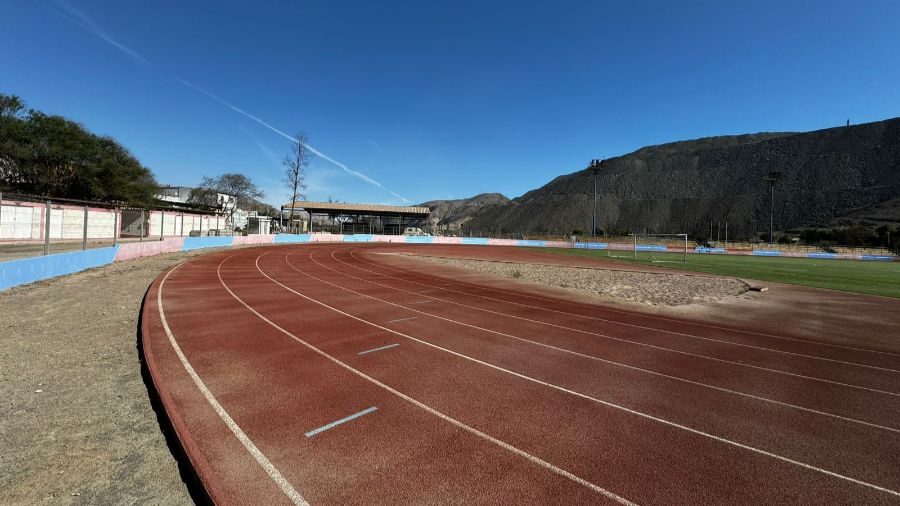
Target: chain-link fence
x,y
31,226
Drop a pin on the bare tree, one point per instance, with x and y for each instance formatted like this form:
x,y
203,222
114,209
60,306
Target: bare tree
x,y
295,164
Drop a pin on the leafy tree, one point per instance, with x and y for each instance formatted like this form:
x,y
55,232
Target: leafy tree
x,y
245,193
52,156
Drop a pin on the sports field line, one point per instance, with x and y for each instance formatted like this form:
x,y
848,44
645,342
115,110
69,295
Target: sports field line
x,y
506,446
598,359
584,396
648,316
245,440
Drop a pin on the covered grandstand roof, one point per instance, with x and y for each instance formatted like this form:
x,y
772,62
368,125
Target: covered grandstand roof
x,y
369,209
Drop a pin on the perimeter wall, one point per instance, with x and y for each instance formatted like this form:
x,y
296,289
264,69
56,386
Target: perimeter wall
x,y
29,270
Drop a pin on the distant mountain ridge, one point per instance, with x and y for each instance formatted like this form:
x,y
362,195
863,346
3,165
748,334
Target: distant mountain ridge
x,y
450,215
846,173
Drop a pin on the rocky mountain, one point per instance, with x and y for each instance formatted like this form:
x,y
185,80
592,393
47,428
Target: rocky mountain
x,y
450,215
837,175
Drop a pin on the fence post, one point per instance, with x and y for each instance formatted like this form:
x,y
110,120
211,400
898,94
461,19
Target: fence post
x,y
116,226
142,226
182,225
162,224
84,230
47,231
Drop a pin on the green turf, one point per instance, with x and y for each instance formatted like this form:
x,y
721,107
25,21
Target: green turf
x,y
871,277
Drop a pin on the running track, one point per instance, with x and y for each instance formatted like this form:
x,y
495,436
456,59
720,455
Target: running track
x,y
332,374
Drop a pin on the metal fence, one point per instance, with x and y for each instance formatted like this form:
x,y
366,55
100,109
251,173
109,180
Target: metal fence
x,y
31,226
732,246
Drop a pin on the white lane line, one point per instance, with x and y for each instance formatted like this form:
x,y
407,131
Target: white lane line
x,y
335,423
245,440
591,357
581,395
606,308
429,291
380,348
506,446
421,302
617,322
403,319
605,336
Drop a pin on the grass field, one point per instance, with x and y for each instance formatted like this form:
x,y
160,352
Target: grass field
x,y
875,278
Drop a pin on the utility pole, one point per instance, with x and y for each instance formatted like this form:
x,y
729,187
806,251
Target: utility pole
x,y
772,178
595,168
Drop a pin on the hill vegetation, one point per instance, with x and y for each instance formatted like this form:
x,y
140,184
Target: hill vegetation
x,y
52,156
828,177
450,215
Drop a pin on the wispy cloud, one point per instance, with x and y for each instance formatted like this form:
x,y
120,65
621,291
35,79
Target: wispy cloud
x,y
354,173
83,21
266,150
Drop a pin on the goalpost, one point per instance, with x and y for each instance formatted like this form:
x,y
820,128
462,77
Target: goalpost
x,y
655,248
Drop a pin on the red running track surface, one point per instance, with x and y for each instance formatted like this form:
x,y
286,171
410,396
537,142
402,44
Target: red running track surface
x,y
469,389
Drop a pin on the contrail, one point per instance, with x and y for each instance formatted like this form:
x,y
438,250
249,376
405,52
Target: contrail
x,y
313,150
84,22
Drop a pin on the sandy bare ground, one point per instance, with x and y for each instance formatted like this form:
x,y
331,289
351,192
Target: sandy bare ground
x,y
76,421
657,289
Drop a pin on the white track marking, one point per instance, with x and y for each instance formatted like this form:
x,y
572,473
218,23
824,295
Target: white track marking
x,y
335,423
403,319
584,396
610,309
617,322
506,446
380,348
583,355
245,440
421,302
637,343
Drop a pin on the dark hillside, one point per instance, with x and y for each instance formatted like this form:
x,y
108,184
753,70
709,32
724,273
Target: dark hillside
x,y
683,186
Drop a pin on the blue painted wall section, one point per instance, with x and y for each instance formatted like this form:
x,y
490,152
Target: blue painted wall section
x,y
191,243
651,247
291,238
531,243
29,270
475,240
878,258
764,253
704,249
412,239
821,255
591,245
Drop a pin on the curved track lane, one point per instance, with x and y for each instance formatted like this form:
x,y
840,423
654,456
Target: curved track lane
x,y
330,374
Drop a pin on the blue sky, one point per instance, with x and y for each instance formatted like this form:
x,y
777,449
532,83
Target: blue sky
x,y
424,100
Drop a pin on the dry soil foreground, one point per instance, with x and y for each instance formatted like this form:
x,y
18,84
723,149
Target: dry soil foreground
x,y
76,421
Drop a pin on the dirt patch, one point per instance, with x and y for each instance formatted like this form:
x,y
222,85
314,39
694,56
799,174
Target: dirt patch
x,y
75,417
643,287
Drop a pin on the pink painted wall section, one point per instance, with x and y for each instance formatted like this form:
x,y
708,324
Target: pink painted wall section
x,y
447,240
253,239
326,238
503,242
388,238
558,244
132,250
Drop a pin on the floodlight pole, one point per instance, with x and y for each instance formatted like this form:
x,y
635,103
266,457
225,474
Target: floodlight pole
x,y
772,178
595,168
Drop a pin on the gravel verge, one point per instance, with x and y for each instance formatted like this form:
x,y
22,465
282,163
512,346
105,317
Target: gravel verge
x,y
655,289
76,419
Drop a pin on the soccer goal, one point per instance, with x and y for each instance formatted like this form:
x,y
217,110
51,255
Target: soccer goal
x,y
661,248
